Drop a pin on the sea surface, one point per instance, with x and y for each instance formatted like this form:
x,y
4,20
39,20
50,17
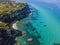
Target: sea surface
x,y
43,26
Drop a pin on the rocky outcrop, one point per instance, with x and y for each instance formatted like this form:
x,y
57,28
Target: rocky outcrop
x,y
8,37
19,13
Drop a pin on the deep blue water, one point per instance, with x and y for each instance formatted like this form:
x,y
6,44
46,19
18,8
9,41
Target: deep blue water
x,y
46,22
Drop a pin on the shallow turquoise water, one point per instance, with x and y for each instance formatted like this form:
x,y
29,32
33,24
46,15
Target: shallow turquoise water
x,y
47,22
51,33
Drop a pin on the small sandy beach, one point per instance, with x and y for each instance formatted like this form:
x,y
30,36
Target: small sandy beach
x,y
14,25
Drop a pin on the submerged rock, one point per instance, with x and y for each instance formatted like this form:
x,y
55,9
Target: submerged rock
x,y
24,33
28,23
34,29
30,39
19,33
45,25
30,14
33,18
41,22
37,32
39,36
56,43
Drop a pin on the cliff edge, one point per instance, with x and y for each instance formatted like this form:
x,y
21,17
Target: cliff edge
x,y
10,12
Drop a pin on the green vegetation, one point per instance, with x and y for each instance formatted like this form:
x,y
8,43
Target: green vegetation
x,y
7,8
4,26
10,7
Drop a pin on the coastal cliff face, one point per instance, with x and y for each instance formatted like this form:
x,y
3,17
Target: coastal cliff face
x,y
20,14
9,12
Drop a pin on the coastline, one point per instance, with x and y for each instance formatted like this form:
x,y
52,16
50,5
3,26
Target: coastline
x,y
14,25
12,21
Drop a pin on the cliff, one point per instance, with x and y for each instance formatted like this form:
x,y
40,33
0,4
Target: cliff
x,y
14,10
10,11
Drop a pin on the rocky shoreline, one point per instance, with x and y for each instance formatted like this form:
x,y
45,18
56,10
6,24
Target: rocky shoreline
x,y
11,19
19,14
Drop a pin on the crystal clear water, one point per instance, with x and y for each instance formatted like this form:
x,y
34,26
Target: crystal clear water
x,y
43,25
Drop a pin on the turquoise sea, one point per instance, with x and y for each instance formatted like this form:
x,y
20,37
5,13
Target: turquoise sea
x,y
43,25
